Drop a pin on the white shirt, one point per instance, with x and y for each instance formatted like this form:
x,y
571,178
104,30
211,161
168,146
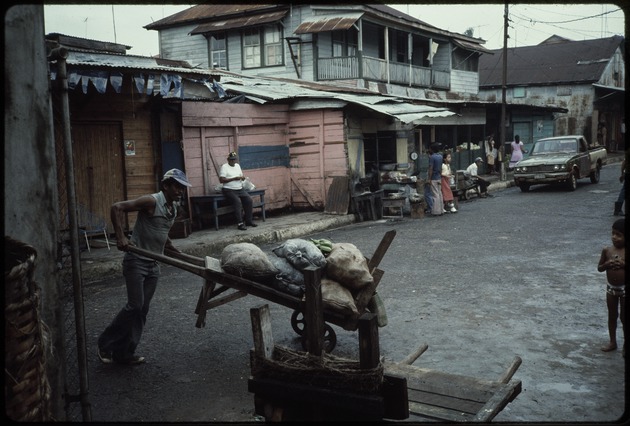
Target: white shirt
x,y
446,170
471,170
230,172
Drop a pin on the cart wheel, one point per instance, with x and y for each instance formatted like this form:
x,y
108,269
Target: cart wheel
x,y
330,339
297,322
466,195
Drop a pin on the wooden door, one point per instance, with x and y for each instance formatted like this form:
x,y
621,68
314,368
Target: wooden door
x,y
98,166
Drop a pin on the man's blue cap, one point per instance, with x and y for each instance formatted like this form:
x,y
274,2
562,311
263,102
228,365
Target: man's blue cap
x,y
178,175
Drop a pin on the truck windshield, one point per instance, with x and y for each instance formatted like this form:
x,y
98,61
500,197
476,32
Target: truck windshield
x,y
559,145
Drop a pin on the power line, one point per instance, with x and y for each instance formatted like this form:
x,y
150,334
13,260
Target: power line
x,y
533,21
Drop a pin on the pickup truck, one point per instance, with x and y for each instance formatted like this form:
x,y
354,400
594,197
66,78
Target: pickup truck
x,y
560,160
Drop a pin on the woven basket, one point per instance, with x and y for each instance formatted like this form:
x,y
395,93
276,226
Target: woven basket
x,y
26,388
328,371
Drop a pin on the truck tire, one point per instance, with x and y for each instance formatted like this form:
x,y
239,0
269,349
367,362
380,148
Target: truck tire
x,y
594,176
572,182
524,187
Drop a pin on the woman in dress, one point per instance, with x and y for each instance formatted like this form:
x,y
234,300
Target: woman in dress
x,y
447,175
491,154
517,151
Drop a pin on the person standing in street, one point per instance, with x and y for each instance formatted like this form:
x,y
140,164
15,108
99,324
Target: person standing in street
x,y
231,176
434,175
447,176
156,215
472,172
517,151
613,261
491,154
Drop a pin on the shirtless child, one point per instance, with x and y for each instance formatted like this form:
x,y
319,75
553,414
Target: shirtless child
x,y
613,261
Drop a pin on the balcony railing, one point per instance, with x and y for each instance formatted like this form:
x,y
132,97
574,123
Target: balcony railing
x,y
348,67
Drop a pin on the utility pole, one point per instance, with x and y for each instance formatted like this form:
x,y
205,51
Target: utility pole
x,y
503,90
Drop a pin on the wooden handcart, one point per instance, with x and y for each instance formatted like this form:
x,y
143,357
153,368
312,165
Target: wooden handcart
x,y
220,288
293,386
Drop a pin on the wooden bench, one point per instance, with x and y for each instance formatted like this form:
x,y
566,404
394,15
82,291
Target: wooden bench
x,y
449,397
216,204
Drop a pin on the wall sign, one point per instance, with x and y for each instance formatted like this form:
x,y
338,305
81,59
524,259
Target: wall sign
x,y
130,147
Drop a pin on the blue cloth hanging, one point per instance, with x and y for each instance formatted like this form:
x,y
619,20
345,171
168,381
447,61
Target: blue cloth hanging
x,y
116,80
138,80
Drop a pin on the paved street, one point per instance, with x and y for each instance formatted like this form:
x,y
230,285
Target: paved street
x,y
511,275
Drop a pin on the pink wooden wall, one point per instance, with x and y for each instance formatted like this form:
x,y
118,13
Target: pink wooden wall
x,y
316,146
317,149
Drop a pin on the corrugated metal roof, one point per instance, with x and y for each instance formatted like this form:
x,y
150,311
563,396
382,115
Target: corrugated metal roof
x,y
105,60
471,46
202,12
333,22
271,90
241,22
550,63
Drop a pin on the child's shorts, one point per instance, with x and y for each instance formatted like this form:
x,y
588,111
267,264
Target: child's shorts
x,y
616,290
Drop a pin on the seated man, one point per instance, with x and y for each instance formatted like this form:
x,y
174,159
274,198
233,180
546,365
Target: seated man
x,y
231,176
472,173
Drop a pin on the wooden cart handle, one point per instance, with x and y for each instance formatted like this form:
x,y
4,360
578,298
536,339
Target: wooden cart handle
x,y
195,269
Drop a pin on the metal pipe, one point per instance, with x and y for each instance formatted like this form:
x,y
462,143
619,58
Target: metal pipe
x,y
60,54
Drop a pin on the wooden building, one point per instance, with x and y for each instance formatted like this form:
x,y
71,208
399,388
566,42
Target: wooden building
x,y
125,118
585,79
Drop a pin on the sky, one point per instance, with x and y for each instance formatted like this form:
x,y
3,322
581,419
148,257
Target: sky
x,y
530,24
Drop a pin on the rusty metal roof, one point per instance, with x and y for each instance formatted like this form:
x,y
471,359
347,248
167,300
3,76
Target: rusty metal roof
x,y
143,63
241,22
205,12
263,90
341,21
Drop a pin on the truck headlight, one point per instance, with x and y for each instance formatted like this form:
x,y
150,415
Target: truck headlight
x,y
521,169
558,167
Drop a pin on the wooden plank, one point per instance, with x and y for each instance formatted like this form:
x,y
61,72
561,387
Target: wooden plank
x,y
451,397
227,299
412,357
304,192
369,348
261,329
507,375
204,157
363,406
433,381
447,402
338,198
437,413
382,248
395,397
499,400
206,290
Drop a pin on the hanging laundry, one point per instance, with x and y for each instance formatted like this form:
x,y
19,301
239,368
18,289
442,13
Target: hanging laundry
x,y
138,79
116,80
150,83
165,84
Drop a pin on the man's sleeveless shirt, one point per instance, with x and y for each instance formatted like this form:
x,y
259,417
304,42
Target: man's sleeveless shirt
x,y
150,232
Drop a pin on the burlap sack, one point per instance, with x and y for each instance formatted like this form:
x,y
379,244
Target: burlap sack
x,y
301,253
286,271
337,297
248,261
347,265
